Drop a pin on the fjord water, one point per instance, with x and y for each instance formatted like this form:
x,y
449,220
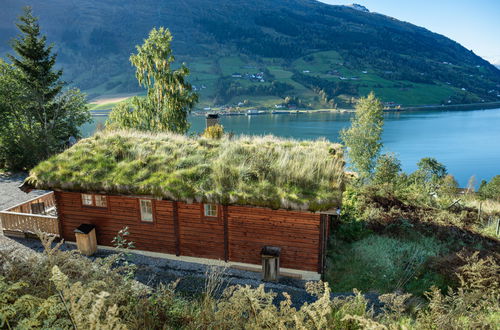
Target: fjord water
x,y
467,142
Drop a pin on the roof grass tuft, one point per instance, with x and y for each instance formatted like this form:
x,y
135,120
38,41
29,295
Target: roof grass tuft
x,y
260,170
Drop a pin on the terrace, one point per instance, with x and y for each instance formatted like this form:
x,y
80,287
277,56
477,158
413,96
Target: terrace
x,y
37,214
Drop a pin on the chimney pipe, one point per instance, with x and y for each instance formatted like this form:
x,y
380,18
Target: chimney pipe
x,y
212,119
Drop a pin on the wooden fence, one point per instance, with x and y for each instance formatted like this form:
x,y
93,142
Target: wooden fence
x,y
37,214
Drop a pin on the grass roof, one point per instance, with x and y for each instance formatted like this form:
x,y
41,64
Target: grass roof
x,y
261,171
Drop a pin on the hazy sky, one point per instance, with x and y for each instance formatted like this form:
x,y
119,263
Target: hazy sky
x,y
473,23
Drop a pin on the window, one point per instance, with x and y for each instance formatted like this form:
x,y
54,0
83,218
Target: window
x,y
94,200
100,201
146,210
87,200
210,210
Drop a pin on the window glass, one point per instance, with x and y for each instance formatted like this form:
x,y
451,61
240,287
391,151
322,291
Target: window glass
x,y
210,210
100,201
146,210
87,200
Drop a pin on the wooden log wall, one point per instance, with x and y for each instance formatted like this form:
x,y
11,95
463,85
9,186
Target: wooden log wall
x,y
237,234
121,211
296,233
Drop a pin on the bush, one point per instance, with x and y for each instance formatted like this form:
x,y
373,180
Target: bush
x,y
491,189
214,132
352,231
387,169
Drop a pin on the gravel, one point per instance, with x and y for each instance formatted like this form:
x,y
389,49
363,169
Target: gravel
x,y
10,194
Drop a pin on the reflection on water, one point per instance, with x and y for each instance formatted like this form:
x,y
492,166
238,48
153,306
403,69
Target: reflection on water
x,y
467,142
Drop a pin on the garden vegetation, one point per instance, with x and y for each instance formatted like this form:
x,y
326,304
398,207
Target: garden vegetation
x,y
408,233
62,289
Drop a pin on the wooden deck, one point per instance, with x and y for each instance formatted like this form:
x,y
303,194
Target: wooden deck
x,y
37,214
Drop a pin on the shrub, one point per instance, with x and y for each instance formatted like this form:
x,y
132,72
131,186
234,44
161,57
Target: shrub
x,y
491,189
387,169
214,132
473,305
352,231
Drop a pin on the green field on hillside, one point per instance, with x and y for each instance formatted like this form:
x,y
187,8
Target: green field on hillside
x,y
328,66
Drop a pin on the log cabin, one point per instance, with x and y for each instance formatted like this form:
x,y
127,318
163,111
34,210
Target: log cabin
x,y
205,198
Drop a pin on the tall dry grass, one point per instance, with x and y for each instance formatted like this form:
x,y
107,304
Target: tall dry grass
x,y
261,171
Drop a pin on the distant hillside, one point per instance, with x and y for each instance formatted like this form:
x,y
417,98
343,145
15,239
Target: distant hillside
x,y
259,53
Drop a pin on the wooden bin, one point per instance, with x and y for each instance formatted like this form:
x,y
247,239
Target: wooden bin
x,y
270,263
85,239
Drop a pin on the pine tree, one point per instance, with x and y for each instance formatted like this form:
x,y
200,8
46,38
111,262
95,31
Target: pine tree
x,y
45,115
36,62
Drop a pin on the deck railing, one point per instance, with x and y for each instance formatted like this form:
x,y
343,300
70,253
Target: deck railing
x,y
37,214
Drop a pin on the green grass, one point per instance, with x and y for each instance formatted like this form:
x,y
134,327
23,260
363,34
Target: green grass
x,y
258,101
384,263
230,65
419,94
104,106
279,73
261,171
320,62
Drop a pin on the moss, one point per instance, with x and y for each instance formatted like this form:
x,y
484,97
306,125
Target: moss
x,y
261,171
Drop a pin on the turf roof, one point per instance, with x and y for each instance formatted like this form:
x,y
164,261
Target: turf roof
x,y
261,171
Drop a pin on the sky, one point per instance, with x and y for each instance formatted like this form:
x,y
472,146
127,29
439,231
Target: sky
x,y
475,24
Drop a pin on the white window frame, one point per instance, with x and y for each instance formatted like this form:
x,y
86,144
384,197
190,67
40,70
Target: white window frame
x,y
100,201
146,208
90,200
210,210
87,200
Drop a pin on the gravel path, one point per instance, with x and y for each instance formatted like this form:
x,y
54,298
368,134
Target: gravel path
x,y
10,194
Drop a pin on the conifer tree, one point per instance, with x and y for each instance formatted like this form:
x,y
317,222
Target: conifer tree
x,y
45,115
36,62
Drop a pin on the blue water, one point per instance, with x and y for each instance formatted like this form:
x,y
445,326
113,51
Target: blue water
x,y
467,142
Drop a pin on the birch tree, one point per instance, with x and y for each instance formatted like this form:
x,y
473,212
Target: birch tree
x,y
363,138
170,97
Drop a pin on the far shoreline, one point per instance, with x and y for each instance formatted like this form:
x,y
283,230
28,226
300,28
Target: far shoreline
x,y
453,107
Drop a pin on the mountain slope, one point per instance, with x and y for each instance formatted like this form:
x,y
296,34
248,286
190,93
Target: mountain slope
x,y
317,54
